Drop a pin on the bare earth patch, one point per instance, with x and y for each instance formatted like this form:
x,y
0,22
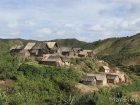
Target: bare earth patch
x,y
6,83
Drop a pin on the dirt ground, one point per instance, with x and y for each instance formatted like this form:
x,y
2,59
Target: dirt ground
x,y
6,83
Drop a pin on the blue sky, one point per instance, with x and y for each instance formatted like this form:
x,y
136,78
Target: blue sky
x,y
86,20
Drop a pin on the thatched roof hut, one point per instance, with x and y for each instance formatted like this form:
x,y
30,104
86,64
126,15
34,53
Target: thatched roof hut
x,y
77,51
52,60
82,54
100,79
112,78
104,69
67,51
88,80
39,49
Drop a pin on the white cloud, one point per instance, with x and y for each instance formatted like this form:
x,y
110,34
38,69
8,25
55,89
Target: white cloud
x,y
97,28
43,32
13,24
83,19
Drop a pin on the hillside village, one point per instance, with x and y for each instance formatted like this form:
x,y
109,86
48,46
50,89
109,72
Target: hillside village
x,y
51,54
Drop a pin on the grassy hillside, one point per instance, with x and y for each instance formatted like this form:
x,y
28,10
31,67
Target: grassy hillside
x,y
122,50
117,45
28,83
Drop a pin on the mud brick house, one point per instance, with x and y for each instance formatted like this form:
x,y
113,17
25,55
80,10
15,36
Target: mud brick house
x,y
67,51
100,79
112,78
52,60
104,69
39,49
85,53
89,53
77,51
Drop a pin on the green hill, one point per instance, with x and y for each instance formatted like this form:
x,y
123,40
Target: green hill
x,y
29,83
118,45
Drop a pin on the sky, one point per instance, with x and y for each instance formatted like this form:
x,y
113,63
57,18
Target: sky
x,y
86,20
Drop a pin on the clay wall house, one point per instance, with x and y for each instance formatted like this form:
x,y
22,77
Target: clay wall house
x,y
104,69
112,78
52,60
88,80
53,47
100,79
67,51
89,53
77,51
16,49
83,54
121,75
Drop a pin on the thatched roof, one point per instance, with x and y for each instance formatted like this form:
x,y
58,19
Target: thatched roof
x,y
111,76
66,49
39,45
77,49
106,67
87,51
29,46
88,78
49,57
50,44
82,53
120,74
100,77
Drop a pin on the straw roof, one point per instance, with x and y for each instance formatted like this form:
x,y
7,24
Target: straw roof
x,y
39,46
66,49
87,50
50,44
29,46
49,57
98,76
82,53
88,78
111,76
77,49
106,67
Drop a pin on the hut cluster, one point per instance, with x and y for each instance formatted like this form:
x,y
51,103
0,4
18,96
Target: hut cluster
x,y
49,53
104,77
